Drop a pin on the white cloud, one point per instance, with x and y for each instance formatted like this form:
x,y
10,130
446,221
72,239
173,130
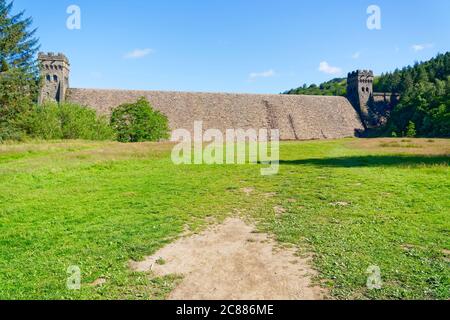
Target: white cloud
x,y
265,74
420,47
326,68
139,53
356,55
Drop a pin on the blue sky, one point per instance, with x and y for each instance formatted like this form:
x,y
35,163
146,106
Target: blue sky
x,y
255,46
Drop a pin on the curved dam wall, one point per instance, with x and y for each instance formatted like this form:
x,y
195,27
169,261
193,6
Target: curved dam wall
x,y
297,117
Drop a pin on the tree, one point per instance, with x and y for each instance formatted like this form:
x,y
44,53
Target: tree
x,y
18,92
424,98
19,76
4,67
407,83
422,75
424,91
334,87
411,130
395,81
18,44
138,122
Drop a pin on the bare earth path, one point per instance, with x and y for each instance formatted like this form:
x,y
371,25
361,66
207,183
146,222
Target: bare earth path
x,y
231,261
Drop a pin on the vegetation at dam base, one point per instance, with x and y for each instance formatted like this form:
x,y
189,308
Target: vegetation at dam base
x,y
20,116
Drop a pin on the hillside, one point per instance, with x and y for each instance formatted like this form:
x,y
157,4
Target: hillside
x,y
334,87
424,107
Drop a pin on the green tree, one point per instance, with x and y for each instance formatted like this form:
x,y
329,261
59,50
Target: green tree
x,y
138,122
422,75
18,70
18,44
411,130
425,97
18,92
65,121
4,67
407,83
395,81
334,87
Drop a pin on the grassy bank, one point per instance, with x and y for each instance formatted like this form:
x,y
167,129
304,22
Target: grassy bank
x,y
352,203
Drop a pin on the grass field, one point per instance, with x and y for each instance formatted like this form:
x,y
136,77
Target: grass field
x,y
98,205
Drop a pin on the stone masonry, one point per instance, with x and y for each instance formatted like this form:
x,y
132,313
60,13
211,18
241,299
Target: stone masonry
x,y
298,117
55,69
372,107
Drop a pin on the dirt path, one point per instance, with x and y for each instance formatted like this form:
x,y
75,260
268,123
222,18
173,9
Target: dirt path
x,y
231,261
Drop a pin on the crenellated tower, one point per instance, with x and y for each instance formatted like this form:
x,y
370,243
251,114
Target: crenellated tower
x,y
55,69
360,93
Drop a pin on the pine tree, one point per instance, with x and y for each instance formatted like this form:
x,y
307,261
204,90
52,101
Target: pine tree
x,y
395,81
407,82
19,76
18,44
4,67
422,75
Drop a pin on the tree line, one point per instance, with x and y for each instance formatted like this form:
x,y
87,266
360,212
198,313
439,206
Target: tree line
x,y
334,87
424,106
425,97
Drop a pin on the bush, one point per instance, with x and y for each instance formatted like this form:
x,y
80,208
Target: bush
x,y
43,122
411,130
137,122
66,121
83,123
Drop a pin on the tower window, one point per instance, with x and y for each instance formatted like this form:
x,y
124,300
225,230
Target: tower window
x,y
55,78
49,78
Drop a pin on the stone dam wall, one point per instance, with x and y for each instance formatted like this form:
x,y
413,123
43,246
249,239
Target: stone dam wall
x,y
297,117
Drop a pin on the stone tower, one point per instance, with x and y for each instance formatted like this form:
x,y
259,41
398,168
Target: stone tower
x,y
360,93
55,69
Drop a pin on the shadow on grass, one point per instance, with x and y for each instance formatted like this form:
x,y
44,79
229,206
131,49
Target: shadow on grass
x,y
373,161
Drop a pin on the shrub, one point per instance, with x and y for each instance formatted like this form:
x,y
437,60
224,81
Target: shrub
x,y
137,122
411,130
79,122
66,121
43,122
9,131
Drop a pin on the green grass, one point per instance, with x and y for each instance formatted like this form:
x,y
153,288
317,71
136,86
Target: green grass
x,y
100,205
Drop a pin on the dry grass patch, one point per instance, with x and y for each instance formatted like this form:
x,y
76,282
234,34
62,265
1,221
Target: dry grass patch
x,y
400,146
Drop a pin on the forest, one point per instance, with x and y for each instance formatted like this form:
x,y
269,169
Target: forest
x,y
424,88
